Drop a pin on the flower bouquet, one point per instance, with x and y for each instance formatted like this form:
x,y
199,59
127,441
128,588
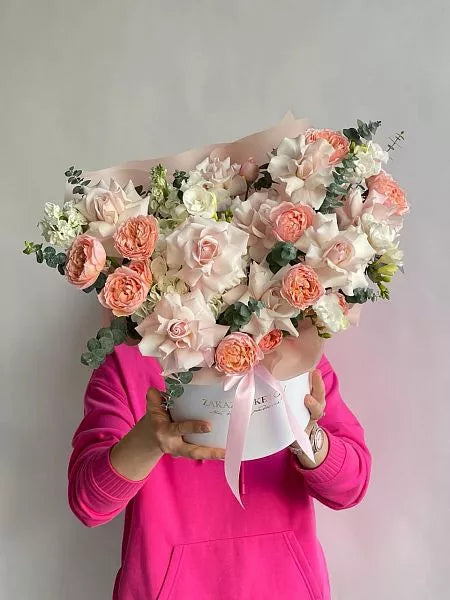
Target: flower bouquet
x,y
233,270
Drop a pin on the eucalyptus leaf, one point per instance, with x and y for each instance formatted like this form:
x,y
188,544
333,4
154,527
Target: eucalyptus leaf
x,y
119,336
107,344
185,377
105,332
93,344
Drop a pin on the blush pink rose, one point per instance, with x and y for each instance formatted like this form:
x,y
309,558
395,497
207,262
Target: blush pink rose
x,y
385,184
124,292
136,237
85,261
301,286
339,142
290,220
142,268
237,353
271,340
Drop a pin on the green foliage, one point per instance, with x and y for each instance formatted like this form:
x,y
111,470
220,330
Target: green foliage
x,y
237,315
361,295
52,258
265,181
175,383
178,178
74,177
98,284
363,132
105,341
339,186
281,255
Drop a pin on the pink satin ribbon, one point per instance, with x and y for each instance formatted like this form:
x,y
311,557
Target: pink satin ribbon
x,y
240,419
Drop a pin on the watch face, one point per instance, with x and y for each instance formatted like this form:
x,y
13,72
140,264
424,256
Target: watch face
x,y
318,439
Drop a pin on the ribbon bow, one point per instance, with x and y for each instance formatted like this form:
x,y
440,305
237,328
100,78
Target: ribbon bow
x,y
240,419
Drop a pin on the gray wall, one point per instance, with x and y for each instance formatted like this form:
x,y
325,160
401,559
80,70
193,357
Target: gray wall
x,y
98,83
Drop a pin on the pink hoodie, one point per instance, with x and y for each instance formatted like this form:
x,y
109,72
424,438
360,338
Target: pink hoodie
x,y
185,535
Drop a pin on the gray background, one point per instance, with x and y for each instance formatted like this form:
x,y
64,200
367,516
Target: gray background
x,y
97,83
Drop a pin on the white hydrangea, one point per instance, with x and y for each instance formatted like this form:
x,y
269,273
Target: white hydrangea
x,y
61,225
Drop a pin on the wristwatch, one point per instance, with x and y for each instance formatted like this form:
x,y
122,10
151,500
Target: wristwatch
x,y
316,437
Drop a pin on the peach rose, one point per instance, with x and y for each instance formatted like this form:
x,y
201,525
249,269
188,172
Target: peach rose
x,y
142,268
339,142
271,340
136,237
86,260
385,184
124,292
290,220
237,353
301,286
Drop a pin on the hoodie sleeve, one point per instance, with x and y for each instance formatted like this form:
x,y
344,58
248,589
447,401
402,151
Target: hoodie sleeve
x,y
341,480
96,491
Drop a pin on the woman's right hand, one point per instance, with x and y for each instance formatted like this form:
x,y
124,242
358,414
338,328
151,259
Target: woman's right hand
x,y
169,435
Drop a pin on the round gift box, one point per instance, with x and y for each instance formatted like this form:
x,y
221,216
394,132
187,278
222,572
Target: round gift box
x,y
269,430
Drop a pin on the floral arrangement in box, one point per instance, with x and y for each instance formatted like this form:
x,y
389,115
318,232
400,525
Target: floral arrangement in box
x,y
216,265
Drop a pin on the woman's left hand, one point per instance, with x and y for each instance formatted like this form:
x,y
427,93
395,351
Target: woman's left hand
x,y
315,401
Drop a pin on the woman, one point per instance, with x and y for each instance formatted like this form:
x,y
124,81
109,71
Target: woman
x,y
185,535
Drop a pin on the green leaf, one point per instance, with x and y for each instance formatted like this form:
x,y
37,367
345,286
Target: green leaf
x,y
352,135
93,344
39,256
171,381
105,332
176,391
99,354
61,258
119,323
61,269
107,344
88,359
185,377
49,251
119,336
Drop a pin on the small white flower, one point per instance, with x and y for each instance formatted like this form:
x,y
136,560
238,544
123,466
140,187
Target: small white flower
x,y
61,225
369,160
381,234
200,201
330,313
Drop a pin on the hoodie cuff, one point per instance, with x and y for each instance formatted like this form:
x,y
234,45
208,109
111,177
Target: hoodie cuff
x,y
331,465
110,481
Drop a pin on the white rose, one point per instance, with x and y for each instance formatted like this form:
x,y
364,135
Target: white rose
x,y
200,201
381,235
330,313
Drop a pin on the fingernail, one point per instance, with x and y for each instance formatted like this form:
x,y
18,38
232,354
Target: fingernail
x,y
205,428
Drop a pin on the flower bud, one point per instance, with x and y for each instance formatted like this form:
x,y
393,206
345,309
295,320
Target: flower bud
x,y
249,170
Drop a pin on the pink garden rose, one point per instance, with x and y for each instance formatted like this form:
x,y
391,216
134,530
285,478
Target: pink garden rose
x,y
124,292
290,220
301,286
339,142
136,238
105,208
271,340
394,195
181,332
210,254
237,353
86,259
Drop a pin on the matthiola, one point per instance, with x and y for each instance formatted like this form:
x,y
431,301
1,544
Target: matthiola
x,y
61,225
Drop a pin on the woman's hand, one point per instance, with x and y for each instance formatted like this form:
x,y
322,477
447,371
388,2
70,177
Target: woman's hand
x,y
169,435
315,402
